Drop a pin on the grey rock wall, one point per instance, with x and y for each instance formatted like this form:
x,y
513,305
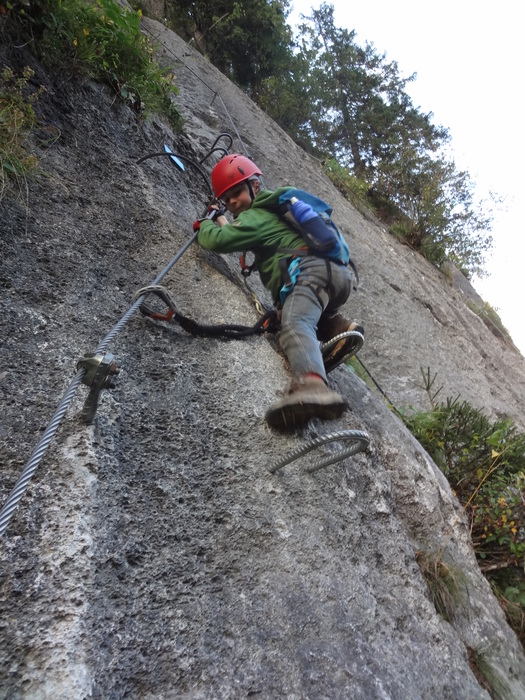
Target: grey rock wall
x,y
414,316
154,555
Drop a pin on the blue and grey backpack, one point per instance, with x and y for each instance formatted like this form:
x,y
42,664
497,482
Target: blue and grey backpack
x,y
310,216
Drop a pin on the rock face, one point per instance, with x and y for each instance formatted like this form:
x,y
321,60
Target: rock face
x,y
154,555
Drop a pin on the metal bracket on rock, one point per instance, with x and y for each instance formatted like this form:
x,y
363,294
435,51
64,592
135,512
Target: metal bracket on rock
x,y
357,441
100,370
335,352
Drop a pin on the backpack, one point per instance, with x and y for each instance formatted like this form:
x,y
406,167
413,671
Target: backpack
x,y
310,216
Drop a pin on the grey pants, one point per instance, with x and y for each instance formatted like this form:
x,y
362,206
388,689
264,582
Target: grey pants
x,y
321,288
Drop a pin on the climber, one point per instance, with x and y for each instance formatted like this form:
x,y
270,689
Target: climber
x,y
309,306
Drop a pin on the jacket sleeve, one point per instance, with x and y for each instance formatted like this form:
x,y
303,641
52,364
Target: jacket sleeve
x,y
236,237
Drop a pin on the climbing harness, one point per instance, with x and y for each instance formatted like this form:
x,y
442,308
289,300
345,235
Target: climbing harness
x,y
266,324
358,440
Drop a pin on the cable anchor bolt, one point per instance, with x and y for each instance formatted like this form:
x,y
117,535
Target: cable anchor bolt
x,y
99,373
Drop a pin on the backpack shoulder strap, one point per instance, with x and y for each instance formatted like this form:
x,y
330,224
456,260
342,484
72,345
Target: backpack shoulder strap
x,y
319,205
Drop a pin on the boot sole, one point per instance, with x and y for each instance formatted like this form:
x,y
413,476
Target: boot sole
x,y
294,414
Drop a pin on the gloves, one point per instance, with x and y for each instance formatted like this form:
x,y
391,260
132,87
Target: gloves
x,y
212,214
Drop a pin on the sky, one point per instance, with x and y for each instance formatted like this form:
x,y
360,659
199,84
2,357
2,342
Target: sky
x,y
469,63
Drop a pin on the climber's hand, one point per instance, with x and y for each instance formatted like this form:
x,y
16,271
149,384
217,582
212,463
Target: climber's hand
x,y
216,210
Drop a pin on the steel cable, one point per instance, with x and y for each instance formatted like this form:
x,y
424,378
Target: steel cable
x,y
33,462
30,467
196,75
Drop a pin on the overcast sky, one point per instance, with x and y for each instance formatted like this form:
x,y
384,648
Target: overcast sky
x,y
469,62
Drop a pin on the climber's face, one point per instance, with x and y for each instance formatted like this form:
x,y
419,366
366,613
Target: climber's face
x,y
239,198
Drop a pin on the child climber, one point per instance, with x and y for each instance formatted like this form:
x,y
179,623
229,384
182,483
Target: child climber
x,y
309,303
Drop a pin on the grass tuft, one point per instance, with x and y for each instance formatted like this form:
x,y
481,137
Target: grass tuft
x,y
446,585
17,121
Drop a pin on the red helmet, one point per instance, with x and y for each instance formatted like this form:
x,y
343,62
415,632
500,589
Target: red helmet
x,y
231,170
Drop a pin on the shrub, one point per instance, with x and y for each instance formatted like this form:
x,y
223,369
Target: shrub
x,y
17,119
512,598
485,465
102,40
351,187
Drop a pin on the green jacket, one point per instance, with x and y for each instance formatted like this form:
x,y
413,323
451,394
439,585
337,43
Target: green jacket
x,y
261,230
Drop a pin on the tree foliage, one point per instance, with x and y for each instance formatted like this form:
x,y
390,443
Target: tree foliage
x,y
442,217
362,115
286,99
248,40
361,112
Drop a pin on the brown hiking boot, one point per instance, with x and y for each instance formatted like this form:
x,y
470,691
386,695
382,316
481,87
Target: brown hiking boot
x,y
305,398
340,340
330,326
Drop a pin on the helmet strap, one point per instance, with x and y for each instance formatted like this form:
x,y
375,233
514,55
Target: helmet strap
x,y
250,187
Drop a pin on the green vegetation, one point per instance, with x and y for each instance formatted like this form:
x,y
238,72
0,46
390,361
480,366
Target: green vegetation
x,y
99,40
491,319
485,464
249,41
487,676
17,120
509,586
446,584
352,188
